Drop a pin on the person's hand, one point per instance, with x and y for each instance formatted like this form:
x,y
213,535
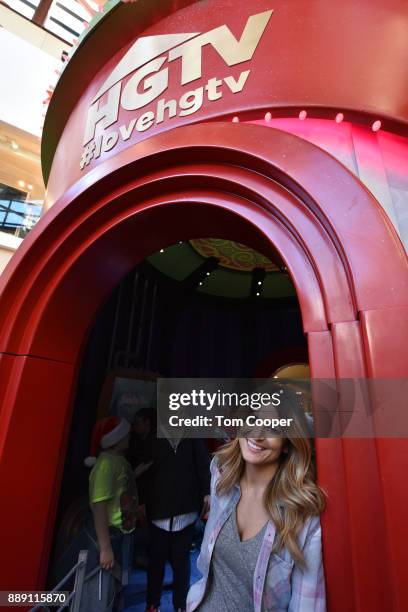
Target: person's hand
x,y
142,468
206,506
106,558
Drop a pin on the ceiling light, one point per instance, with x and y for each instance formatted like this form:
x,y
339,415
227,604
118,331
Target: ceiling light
x,y
161,250
259,282
14,145
29,187
21,183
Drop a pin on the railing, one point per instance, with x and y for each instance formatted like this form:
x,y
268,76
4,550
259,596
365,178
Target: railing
x,y
74,599
120,573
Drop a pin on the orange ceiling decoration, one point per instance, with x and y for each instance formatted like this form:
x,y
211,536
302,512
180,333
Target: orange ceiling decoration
x,y
233,255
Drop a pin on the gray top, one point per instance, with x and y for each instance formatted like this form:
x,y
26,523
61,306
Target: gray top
x,y
232,570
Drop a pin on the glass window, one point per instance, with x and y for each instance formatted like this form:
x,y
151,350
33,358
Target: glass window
x,y
17,215
18,206
24,7
67,19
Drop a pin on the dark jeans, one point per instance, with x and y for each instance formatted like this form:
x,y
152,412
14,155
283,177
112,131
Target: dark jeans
x,y
173,546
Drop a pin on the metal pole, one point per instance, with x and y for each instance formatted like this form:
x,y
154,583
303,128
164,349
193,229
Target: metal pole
x,y
79,581
132,316
140,329
115,327
151,330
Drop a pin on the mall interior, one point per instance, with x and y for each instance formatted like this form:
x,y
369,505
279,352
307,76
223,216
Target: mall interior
x,y
189,190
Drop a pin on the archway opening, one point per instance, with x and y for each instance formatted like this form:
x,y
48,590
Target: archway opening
x,y
205,307
179,186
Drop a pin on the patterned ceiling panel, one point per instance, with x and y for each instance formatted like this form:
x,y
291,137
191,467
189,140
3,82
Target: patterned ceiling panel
x,y
233,255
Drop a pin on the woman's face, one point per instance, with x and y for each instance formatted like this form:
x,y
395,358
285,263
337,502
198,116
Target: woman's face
x,y
261,451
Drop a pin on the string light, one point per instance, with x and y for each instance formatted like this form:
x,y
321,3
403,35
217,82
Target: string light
x,y
376,125
268,116
302,115
339,117
235,119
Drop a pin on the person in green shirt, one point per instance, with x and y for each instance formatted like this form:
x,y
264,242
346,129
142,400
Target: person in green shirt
x,y
113,499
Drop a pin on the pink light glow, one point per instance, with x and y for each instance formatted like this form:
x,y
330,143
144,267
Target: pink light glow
x,y
338,141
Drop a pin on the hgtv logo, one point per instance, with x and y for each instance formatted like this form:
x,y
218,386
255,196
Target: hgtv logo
x,y
142,76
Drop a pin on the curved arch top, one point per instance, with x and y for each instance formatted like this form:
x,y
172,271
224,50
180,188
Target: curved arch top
x,y
125,183
336,47
257,185
350,251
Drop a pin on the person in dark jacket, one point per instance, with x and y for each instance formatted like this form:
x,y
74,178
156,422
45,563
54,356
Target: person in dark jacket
x,y
140,457
176,495
140,451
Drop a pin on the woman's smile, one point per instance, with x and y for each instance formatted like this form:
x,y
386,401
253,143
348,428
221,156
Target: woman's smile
x,y
259,450
254,447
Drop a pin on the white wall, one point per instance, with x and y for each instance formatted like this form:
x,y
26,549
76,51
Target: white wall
x,y
8,246
25,74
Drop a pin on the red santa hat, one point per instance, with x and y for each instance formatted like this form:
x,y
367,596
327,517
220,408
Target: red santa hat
x,y
106,433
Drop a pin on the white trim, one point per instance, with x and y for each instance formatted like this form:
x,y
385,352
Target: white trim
x,y
9,242
116,435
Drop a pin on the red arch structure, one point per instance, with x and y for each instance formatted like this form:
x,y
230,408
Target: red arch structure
x,y
259,186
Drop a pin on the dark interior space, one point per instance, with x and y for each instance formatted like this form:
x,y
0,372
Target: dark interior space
x,y
205,320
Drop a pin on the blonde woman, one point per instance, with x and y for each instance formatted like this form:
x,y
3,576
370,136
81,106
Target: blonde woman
x,y
262,544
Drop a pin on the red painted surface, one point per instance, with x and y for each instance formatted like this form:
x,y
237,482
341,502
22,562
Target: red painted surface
x,y
315,55
385,335
332,476
177,186
35,416
256,185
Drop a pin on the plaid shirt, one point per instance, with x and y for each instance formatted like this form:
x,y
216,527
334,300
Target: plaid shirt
x,y
279,585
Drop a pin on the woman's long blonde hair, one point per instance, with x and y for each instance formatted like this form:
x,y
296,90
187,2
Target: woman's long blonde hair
x,y
291,496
